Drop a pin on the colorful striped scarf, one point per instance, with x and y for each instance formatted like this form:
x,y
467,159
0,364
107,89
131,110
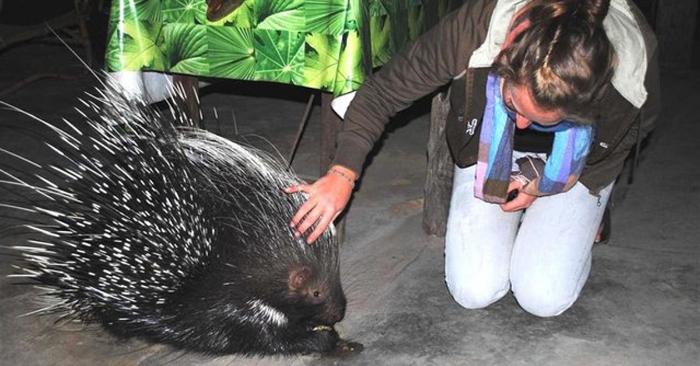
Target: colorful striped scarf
x,y
571,145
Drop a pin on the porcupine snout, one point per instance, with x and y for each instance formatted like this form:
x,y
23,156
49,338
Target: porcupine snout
x,y
334,310
323,294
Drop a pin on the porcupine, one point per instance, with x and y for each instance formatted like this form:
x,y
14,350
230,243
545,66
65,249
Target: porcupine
x,y
175,235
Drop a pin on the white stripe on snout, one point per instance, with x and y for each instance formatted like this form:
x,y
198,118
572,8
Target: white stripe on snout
x,y
267,313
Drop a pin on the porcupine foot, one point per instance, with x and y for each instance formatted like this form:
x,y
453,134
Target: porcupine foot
x,y
340,347
324,340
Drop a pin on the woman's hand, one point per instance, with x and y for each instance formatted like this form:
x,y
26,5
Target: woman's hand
x,y
328,196
522,201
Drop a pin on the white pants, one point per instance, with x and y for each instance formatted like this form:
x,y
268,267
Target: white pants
x,y
542,254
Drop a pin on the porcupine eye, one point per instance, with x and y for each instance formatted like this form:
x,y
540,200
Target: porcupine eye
x,y
315,295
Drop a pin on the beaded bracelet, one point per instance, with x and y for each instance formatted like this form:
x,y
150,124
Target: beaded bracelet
x,y
341,174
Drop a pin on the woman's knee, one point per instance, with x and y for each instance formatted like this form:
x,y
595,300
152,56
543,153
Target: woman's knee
x,y
549,290
543,301
475,294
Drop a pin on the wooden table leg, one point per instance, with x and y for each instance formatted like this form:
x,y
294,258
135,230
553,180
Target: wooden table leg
x,y
190,104
330,126
438,183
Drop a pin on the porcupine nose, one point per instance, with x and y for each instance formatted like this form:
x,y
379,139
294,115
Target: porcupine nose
x,y
335,310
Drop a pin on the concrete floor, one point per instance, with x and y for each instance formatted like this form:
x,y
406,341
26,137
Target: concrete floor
x,y
641,305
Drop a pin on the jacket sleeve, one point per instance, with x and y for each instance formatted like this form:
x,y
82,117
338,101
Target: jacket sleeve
x,y
432,61
610,168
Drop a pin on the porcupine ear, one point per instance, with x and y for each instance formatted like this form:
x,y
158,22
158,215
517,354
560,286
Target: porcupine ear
x,y
299,278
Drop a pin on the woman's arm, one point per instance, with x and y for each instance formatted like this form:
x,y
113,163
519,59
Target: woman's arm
x,y
430,62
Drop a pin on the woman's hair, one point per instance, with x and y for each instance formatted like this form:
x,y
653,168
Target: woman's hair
x,y
561,53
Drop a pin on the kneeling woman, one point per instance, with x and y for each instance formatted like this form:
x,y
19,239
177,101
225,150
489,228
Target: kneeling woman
x,y
544,95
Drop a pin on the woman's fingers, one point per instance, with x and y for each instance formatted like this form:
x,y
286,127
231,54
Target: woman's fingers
x,y
323,223
303,216
308,221
298,188
305,208
311,214
522,201
327,197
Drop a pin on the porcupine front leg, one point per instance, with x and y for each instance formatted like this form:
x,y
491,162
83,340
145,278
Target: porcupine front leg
x,y
338,347
324,340
314,341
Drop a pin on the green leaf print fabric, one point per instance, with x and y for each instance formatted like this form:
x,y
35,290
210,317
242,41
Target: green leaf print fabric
x,y
330,45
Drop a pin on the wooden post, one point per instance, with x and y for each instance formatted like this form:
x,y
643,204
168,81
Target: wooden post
x,y
190,85
438,182
675,28
331,124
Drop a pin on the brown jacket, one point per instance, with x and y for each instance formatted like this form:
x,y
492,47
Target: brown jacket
x,y
441,56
